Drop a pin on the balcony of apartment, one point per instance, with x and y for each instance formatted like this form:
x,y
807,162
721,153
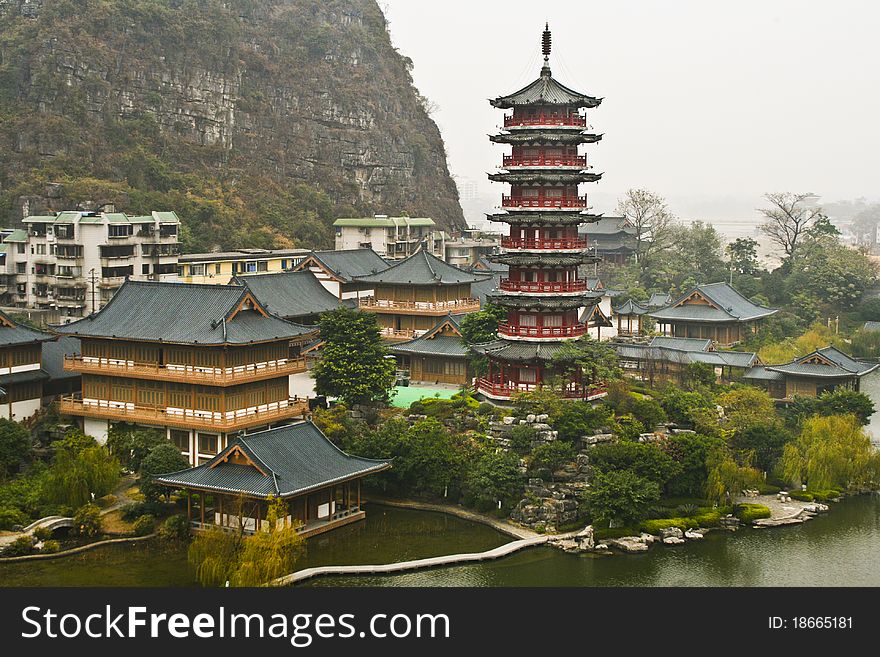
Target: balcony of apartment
x,y
554,244
419,307
508,330
579,161
184,418
497,389
216,376
544,202
538,120
543,287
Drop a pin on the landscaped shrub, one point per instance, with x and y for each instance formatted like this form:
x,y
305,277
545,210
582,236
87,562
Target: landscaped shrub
x,y
87,521
175,528
687,510
486,409
801,496
11,517
19,547
751,512
655,526
521,438
42,533
133,511
824,495
50,547
144,525
768,489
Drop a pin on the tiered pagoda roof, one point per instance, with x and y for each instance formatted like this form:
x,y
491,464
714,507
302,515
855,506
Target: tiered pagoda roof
x,y
546,90
549,259
184,313
422,268
572,177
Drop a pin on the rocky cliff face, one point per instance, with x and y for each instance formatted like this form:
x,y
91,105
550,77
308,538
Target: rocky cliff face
x,y
257,120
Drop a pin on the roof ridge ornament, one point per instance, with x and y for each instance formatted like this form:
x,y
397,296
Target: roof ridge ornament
x,y
545,49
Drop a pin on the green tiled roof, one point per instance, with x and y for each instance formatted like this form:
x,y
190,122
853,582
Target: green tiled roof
x,y
67,217
546,90
183,313
544,301
40,219
840,365
18,235
730,306
630,307
290,294
295,459
422,268
145,219
117,218
349,264
511,350
167,217
18,334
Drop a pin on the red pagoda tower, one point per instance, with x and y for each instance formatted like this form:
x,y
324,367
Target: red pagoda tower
x,y
543,294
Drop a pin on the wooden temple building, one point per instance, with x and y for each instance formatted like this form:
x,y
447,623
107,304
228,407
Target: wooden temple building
x,y
21,373
629,318
821,371
543,294
320,484
714,311
437,356
201,362
410,296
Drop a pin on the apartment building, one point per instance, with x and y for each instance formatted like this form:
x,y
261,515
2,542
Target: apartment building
x,y
71,263
219,268
394,238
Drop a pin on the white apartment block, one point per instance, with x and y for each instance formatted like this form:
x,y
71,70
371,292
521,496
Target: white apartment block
x,y
393,238
71,263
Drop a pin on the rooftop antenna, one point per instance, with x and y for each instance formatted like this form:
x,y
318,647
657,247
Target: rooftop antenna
x,y
545,48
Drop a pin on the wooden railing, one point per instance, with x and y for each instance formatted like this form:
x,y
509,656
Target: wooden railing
x,y
510,388
511,330
508,285
514,121
400,334
184,373
544,243
184,418
390,305
544,202
544,161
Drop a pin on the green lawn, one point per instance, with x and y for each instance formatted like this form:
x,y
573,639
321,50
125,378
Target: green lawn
x,y
406,395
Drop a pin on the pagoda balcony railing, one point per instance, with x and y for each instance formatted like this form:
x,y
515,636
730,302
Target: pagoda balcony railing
x,y
545,161
515,121
220,376
544,202
184,418
428,307
507,389
554,243
508,285
514,331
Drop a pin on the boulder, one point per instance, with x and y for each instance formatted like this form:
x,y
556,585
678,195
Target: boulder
x,y
647,539
693,535
530,418
672,540
508,419
629,544
671,532
541,418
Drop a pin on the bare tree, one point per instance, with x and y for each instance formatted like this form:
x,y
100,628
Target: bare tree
x,y
789,219
652,219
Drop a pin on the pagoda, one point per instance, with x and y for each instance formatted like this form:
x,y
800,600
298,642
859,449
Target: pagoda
x,y
544,296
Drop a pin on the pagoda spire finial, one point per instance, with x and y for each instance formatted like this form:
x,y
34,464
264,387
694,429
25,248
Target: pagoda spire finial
x,y
545,48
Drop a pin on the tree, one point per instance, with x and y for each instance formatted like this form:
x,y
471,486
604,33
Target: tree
x,y
788,218
493,477
648,213
761,443
691,451
746,406
130,444
692,257
482,326
621,495
597,361
161,459
679,404
577,419
646,460
743,255
834,274
831,452
87,521
552,455
354,365
842,401
15,445
81,469
725,477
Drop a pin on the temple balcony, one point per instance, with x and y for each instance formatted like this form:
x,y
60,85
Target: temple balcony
x,y
400,334
497,389
555,244
217,376
544,161
117,411
507,330
544,203
542,287
539,120
375,305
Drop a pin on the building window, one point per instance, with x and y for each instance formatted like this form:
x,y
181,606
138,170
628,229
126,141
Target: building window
x,y
180,439
263,265
119,230
145,269
217,268
284,264
527,375
20,267
197,270
21,247
207,443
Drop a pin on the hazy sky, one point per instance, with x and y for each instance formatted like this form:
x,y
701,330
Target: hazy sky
x,y
709,103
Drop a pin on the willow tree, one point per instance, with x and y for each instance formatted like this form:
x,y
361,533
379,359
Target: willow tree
x,y
726,477
831,452
81,469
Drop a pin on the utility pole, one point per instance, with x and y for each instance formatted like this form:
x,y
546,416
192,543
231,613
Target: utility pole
x,y
93,278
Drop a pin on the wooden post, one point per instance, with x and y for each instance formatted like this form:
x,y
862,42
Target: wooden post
x,y
202,505
222,523
189,505
359,494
